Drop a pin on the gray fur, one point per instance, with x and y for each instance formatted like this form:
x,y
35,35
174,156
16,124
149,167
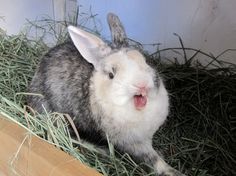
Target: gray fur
x,y
63,79
119,38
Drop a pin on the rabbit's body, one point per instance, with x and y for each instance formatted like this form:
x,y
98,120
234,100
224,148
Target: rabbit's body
x,y
60,78
66,81
108,92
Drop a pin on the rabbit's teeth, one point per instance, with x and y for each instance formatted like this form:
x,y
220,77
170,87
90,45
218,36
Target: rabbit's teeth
x,y
140,101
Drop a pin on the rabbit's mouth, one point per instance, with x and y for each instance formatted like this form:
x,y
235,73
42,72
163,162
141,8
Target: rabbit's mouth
x,y
140,101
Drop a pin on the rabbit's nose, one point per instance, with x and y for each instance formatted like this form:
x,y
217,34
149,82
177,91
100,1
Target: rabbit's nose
x,y
142,90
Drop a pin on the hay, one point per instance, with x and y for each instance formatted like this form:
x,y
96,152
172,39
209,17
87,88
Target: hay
x,y
199,137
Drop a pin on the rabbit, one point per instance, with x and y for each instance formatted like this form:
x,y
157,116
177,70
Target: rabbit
x,y
109,91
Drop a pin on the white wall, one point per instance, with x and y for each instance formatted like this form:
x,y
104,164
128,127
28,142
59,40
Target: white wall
x,y
209,25
15,13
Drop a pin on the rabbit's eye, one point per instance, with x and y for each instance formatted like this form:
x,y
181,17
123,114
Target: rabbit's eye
x,y
111,75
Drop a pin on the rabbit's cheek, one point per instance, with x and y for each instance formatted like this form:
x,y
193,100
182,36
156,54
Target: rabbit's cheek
x,y
119,100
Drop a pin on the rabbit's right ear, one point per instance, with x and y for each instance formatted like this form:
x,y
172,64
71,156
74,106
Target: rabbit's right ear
x,y
91,47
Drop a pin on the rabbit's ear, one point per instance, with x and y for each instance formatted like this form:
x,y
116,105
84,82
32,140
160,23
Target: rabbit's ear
x,y
91,47
119,38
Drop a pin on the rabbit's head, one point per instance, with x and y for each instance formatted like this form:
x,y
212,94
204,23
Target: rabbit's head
x,y
121,78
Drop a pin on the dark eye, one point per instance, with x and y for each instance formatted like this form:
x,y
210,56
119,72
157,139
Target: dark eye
x,y
111,75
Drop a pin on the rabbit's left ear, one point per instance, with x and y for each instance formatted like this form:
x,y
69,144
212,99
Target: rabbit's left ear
x,y
91,47
119,38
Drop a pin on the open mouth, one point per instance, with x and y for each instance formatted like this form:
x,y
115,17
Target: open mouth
x,y
140,101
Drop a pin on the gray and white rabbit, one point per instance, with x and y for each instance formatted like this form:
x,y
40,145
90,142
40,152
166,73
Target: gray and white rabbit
x,y
109,91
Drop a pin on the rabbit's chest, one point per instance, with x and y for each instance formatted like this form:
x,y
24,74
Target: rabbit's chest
x,y
129,125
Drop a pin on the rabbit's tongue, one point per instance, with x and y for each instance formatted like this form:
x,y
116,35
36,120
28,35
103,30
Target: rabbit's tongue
x,y
140,101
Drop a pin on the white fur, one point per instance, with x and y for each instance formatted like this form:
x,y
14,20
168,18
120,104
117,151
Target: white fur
x,y
90,46
161,166
115,97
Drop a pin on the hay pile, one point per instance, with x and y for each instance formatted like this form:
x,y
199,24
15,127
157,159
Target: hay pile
x,y
199,137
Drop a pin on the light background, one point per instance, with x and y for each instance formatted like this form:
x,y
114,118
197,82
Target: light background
x,y
209,25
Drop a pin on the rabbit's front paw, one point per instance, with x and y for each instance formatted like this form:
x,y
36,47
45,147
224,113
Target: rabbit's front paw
x,y
164,169
171,172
